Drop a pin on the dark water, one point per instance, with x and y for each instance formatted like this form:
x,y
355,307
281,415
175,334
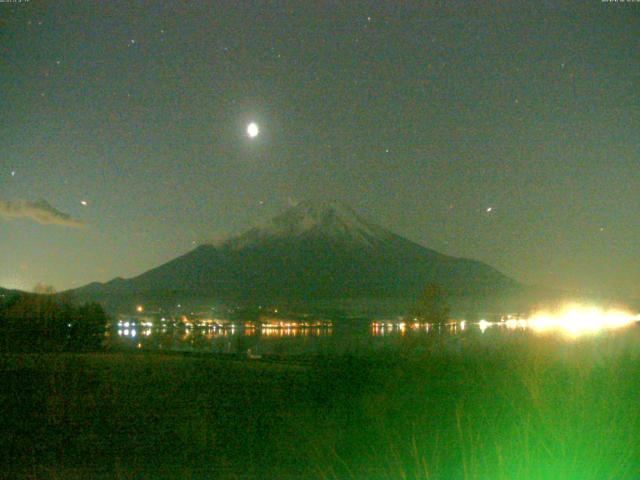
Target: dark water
x,y
346,337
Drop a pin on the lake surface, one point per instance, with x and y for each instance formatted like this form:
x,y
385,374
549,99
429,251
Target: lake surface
x,y
353,337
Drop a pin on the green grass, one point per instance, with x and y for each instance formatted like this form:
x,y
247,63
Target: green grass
x,y
528,409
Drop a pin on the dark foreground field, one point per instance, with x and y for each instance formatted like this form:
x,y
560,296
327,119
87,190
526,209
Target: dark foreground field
x,y
531,409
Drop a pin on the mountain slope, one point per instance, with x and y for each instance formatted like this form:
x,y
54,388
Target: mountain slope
x,y
310,252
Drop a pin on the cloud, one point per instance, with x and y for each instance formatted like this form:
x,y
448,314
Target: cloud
x,y
39,211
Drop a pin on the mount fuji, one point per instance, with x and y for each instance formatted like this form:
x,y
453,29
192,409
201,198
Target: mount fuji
x,y
312,253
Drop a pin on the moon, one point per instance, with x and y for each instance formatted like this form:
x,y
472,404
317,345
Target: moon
x,y
253,130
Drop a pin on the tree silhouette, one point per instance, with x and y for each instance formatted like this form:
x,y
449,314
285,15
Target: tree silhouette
x,y
44,323
432,305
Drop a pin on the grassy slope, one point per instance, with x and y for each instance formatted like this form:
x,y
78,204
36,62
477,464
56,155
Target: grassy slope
x,y
536,410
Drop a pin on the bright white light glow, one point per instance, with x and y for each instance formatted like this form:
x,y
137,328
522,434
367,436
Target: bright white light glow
x,y
572,320
575,320
253,130
483,324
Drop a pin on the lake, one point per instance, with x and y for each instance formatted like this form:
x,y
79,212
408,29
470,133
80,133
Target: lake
x,y
351,336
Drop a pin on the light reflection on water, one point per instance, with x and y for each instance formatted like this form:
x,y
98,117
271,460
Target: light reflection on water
x,y
343,337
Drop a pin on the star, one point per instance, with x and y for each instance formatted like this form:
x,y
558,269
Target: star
x,y
13,173
84,203
489,209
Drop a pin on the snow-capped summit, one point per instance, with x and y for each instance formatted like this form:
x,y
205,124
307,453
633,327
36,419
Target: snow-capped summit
x,y
329,220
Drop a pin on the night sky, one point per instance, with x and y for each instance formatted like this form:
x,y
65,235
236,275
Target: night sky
x,y
508,132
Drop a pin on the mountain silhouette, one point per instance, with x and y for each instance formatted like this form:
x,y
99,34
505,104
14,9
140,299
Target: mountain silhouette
x,y
311,253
